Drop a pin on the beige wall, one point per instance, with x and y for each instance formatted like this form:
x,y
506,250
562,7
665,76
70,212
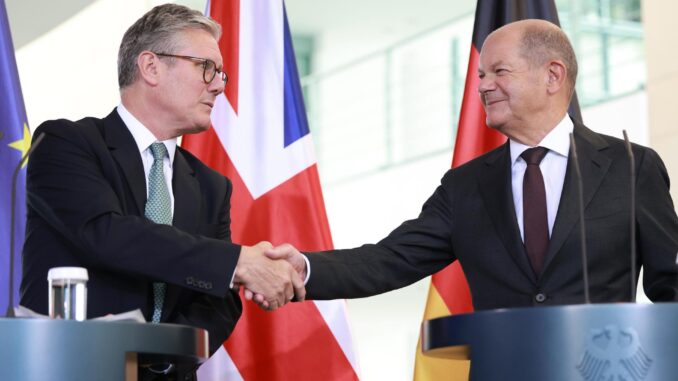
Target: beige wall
x,y
662,81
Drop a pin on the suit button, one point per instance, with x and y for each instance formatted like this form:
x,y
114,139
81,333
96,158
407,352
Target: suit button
x,y
540,298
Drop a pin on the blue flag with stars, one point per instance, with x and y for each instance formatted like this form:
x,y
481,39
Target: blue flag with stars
x,y
14,142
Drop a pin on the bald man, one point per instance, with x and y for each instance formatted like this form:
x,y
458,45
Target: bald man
x,y
510,216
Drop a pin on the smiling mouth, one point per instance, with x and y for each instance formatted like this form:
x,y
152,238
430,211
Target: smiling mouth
x,y
493,101
489,100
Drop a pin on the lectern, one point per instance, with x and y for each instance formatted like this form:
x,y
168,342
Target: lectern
x,y
582,342
43,349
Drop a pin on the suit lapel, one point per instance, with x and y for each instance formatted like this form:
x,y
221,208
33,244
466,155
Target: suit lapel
x,y
126,153
186,194
184,184
594,166
186,200
495,189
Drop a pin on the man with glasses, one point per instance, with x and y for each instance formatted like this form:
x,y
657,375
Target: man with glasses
x,y
209,68
148,220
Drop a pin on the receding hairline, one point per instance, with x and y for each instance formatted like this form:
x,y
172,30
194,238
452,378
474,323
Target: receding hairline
x,y
544,41
161,29
539,41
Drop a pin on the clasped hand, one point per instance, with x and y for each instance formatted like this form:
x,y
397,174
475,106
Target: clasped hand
x,y
268,280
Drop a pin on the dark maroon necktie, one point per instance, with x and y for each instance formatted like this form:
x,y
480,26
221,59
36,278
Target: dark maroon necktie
x,y
535,221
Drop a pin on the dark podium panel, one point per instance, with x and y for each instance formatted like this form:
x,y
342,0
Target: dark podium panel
x,y
43,349
582,342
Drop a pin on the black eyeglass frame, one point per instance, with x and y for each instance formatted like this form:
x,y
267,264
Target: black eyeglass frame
x,y
205,63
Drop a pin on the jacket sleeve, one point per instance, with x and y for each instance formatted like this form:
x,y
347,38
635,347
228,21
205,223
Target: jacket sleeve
x,y
414,250
75,185
657,229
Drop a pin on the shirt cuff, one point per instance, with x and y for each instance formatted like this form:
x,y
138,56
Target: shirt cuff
x,y
308,269
231,285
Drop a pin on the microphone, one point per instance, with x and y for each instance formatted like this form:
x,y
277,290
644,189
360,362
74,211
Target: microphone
x,y
582,227
632,173
10,300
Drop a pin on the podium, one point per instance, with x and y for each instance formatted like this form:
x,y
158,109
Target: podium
x,y
579,342
43,349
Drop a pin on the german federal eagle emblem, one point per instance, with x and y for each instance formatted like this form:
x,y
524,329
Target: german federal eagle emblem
x,y
614,354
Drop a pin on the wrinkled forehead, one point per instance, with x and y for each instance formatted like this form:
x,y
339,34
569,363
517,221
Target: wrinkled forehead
x,y
499,47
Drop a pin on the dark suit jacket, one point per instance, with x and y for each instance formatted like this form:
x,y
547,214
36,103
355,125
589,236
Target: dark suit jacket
x,y
86,191
471,218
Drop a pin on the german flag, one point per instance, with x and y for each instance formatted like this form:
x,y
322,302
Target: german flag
x,y
449,292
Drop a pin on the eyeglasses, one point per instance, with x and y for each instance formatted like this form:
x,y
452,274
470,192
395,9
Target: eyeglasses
x,y
209,67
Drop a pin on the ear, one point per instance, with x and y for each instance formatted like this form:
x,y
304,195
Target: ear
x,y
149,68
557,76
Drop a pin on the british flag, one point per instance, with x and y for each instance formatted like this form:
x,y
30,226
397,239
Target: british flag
x,y
261,140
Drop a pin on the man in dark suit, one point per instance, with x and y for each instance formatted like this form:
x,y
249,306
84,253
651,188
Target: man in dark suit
x,y
510,216
148,220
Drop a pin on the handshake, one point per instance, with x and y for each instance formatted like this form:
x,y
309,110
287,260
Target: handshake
x,y
271,276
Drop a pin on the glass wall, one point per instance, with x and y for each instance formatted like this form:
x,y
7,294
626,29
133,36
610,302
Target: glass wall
x,y
608,38
402,103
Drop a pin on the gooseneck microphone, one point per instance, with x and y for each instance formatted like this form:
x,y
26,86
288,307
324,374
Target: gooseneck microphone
x,y
582,226
10,300
632,176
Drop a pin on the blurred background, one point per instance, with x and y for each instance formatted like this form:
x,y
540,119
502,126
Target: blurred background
x,y
383,82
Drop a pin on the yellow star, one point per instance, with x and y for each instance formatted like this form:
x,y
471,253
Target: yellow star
x,y
23,144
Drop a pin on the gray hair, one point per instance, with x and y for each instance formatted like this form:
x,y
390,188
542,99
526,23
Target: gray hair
x,y
156,31
541,43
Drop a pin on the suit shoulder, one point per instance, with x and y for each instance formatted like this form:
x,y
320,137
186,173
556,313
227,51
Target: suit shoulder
x,y
613,141
615,149
618,146
56,124
68,128
471,166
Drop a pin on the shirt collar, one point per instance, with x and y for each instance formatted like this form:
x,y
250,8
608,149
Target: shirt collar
x,y
557,141
143,137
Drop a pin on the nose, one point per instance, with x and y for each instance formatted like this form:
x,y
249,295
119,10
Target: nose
x,y
485,85
217,85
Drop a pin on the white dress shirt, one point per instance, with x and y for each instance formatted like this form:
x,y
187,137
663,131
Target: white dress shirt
x,y
553,168
144,138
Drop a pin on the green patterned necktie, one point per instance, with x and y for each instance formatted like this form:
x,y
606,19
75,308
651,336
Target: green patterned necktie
x,y
158,210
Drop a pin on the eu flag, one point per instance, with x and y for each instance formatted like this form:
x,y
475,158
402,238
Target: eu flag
x,y
14,142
